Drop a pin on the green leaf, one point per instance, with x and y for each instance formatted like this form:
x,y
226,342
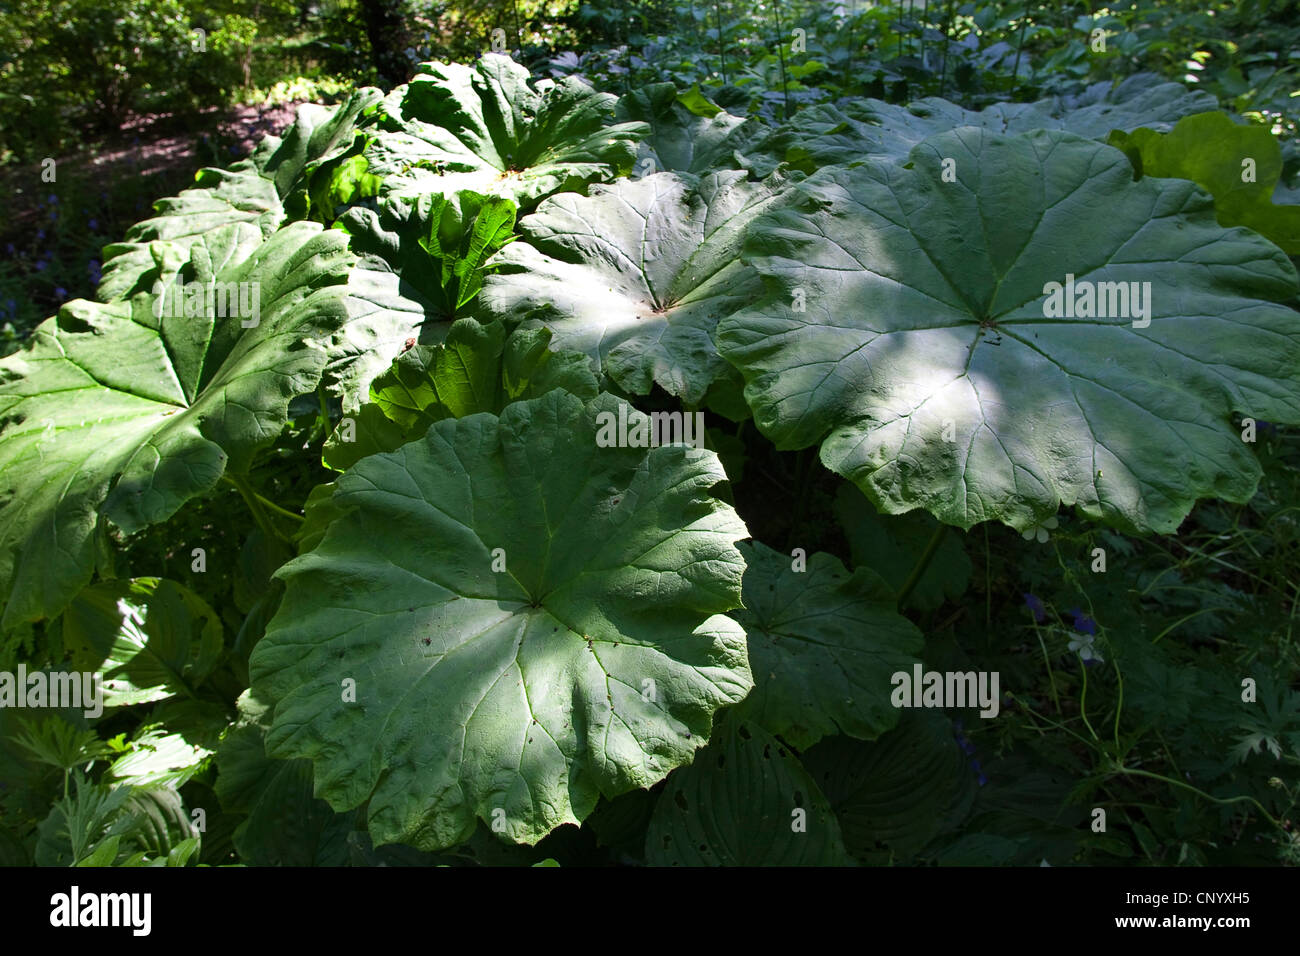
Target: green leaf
x,y
104,854
285,824
1239,165
476,369
826,134
318,135
438,246
926,364
745,801
823,645
159,759
636,275
238,201
893,794
695,101
151,638
487,128
113,412
589,663
687,132
248,197
892,545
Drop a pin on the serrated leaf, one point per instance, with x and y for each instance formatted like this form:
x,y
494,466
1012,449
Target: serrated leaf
x,y
246,201
636,275
520,691
489,129
927,364
113,412
687,132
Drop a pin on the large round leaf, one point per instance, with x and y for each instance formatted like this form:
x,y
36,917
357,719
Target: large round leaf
x,y
823,645
636,275
856,129
489,129
928,365
589,662
112,411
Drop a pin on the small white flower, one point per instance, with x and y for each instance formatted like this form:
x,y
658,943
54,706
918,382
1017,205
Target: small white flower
x,y
1083,644
1039,531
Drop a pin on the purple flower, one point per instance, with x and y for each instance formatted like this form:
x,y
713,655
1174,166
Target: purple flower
x,y
60,293
92,224
40,235
93,268
1035,605
54,200
1082,622
40,265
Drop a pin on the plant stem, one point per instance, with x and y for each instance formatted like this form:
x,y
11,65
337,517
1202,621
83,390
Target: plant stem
x,y
1020,45
1083,699
1200,793
947,38
258,506
913,579
801,470
780,52
1051,676
722,46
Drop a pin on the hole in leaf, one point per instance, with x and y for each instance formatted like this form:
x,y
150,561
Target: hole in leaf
x,y
680,800
744,732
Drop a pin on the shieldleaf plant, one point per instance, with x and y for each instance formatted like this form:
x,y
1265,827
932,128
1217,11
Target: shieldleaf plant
x,y
513,469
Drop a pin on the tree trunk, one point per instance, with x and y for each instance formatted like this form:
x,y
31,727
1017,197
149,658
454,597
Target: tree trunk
x,y
386,31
